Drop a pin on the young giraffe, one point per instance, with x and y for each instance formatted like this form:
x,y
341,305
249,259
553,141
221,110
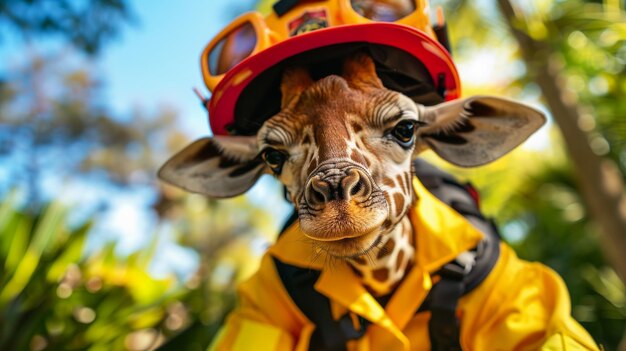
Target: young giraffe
x,y
343,146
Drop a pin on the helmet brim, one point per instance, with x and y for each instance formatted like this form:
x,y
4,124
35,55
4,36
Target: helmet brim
x,y
249,92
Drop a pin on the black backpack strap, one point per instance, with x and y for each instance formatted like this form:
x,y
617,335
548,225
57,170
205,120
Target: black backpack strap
x,y
444,328
329,334
458,278
469,269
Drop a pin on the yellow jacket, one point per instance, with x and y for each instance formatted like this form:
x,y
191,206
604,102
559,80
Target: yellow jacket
x,y
519,306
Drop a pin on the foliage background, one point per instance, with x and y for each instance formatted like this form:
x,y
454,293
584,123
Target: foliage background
x,y
69,159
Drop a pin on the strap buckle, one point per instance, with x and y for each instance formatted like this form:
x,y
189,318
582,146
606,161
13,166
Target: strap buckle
x,y
460,267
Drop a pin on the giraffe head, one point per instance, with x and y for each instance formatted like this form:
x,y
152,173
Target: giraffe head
x,y
342,146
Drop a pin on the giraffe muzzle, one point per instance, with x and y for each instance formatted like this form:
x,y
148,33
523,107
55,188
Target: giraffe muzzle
x,y
342,206
351,185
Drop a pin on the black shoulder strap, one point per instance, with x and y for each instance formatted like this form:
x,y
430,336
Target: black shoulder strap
x,y
458,277
468,270
463,198
329,334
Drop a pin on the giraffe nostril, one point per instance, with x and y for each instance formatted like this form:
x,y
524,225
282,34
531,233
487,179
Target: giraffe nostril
x,y
356,188
354,185
357,184
318,197
318,192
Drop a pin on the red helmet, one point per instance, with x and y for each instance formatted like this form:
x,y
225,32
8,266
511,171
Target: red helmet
x,y
242,65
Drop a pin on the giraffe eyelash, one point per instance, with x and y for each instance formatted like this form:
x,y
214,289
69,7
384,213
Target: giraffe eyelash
x,y
394,119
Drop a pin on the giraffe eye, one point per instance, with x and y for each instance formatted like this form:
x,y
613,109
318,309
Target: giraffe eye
x,y
274,159
404,132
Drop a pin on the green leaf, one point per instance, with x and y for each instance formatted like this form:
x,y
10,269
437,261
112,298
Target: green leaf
x,y
19,244
7,211
22,275
49,225
8,216
71,253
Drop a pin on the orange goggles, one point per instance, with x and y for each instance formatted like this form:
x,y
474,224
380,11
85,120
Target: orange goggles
x,y
251,33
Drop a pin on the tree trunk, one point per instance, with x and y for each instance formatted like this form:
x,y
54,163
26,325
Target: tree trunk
x,y
599,179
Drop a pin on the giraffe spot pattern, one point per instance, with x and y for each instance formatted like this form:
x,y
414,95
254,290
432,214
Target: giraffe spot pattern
x,y
357,127
399,260
398,199
401,182
381,274
389,182
387,249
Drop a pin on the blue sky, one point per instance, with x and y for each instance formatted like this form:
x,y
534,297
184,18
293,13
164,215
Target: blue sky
x,y
156,62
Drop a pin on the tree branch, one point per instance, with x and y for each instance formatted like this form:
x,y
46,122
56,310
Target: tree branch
x,y
598,178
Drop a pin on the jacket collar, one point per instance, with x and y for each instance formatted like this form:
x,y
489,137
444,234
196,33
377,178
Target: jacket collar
x,y
441,234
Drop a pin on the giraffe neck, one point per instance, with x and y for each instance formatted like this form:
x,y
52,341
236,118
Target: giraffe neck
x,y
386,265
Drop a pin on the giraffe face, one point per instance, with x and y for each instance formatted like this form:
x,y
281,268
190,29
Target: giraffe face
x,y
343,151
343,146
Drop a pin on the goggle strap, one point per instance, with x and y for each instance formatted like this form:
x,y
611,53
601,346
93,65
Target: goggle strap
x,y
441,21
441,30
281,7
204,100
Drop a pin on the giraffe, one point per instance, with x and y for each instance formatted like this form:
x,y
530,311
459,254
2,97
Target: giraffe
x,y
343,146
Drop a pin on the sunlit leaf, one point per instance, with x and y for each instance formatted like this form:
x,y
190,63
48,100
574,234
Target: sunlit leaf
x,y
20,236
25,269
72,252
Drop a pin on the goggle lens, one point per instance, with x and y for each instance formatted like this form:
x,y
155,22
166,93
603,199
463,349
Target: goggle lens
x,y
233,48
383,10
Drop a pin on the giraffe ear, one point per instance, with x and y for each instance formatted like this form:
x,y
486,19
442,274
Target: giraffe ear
x,y
360,72
295,80
477,130
222,166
